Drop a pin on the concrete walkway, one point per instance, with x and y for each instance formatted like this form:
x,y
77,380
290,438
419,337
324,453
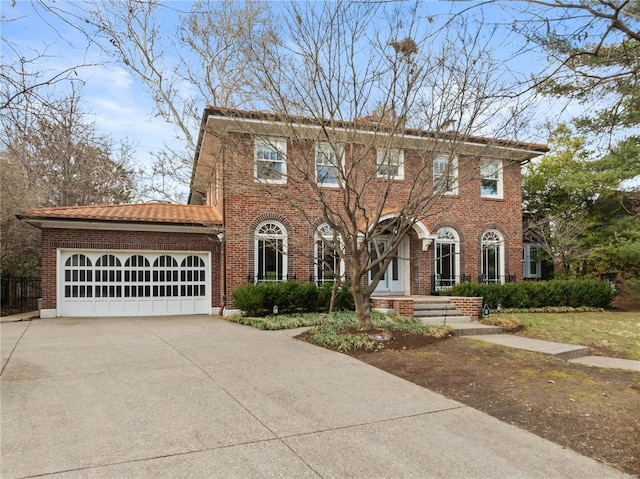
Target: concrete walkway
x,y
200,397
20,317
568,352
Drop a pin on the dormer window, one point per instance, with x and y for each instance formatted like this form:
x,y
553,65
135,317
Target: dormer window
x,y
270,160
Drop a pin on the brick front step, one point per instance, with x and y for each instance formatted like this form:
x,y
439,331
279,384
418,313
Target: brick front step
x,y
429,306
425,310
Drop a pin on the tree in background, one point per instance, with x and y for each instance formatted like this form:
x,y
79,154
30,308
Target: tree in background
x,y
202,58
51,155
22,74
616,214
577,208
593,49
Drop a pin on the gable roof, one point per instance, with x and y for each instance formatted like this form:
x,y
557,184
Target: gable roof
x,y
150,214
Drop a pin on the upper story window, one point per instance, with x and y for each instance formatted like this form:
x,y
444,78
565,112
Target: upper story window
x,y
445,175
491,173
271,160
328,162
390,164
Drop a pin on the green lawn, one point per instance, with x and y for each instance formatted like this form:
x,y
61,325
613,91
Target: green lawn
x,y
607,333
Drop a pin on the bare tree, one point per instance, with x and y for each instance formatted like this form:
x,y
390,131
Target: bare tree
x,y
373,88
19,242
67,158
25,71
51,155
200,58
560,238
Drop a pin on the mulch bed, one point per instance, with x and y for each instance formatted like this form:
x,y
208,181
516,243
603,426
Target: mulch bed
x,y
593,411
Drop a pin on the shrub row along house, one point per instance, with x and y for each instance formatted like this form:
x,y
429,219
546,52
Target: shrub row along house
x,y
276,198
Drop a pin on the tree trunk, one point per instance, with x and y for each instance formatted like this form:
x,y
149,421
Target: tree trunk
x,y
363,309
332,301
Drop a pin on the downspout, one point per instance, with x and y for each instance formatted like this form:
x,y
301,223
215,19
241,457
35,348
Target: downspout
x,y
223,243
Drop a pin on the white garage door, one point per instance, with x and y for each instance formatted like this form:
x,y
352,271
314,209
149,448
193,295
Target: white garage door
x,y
133,283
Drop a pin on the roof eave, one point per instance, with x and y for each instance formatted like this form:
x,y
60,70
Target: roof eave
x,y
43,222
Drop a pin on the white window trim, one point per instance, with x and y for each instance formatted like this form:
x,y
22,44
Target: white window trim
x,y
381,154
339,163
501,254
500,165
257,237
323,231
281,145
456,259
452,164
527,259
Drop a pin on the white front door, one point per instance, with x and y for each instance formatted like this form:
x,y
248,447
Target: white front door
x,y
395,277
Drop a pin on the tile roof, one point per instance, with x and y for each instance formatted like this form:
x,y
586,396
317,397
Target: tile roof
x,y
370,123
164,213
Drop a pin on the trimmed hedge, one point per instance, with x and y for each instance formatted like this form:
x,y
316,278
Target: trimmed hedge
x,y
290,297
539,294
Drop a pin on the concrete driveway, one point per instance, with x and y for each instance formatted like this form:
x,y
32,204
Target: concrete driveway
x,y
200,397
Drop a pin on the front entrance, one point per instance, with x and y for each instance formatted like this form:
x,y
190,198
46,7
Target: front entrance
x,y
396,278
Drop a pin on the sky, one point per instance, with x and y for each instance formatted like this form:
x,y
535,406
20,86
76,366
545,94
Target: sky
x,y
116,101
119,103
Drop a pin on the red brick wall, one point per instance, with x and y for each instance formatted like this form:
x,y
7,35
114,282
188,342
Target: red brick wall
x,y
471,307
246,204
52,239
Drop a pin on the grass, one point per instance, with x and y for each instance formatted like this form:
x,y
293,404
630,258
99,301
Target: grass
x,y
607,331
337,330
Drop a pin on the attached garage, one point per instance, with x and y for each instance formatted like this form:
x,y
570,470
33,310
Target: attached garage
x,y
132,283
129,260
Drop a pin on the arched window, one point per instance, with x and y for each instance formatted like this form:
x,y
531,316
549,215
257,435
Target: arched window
x,y
492,257
78,277
327,260
270,252
447,258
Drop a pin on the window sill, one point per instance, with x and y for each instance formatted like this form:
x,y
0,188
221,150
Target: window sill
x,y
270,182
386,178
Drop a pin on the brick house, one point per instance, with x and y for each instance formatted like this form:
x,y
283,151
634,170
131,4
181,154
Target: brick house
x,y
240,226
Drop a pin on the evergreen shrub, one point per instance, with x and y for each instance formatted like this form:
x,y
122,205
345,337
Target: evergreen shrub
x,y
290,296
540,294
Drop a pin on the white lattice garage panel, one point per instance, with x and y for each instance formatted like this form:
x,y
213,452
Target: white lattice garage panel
x,y
133,283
